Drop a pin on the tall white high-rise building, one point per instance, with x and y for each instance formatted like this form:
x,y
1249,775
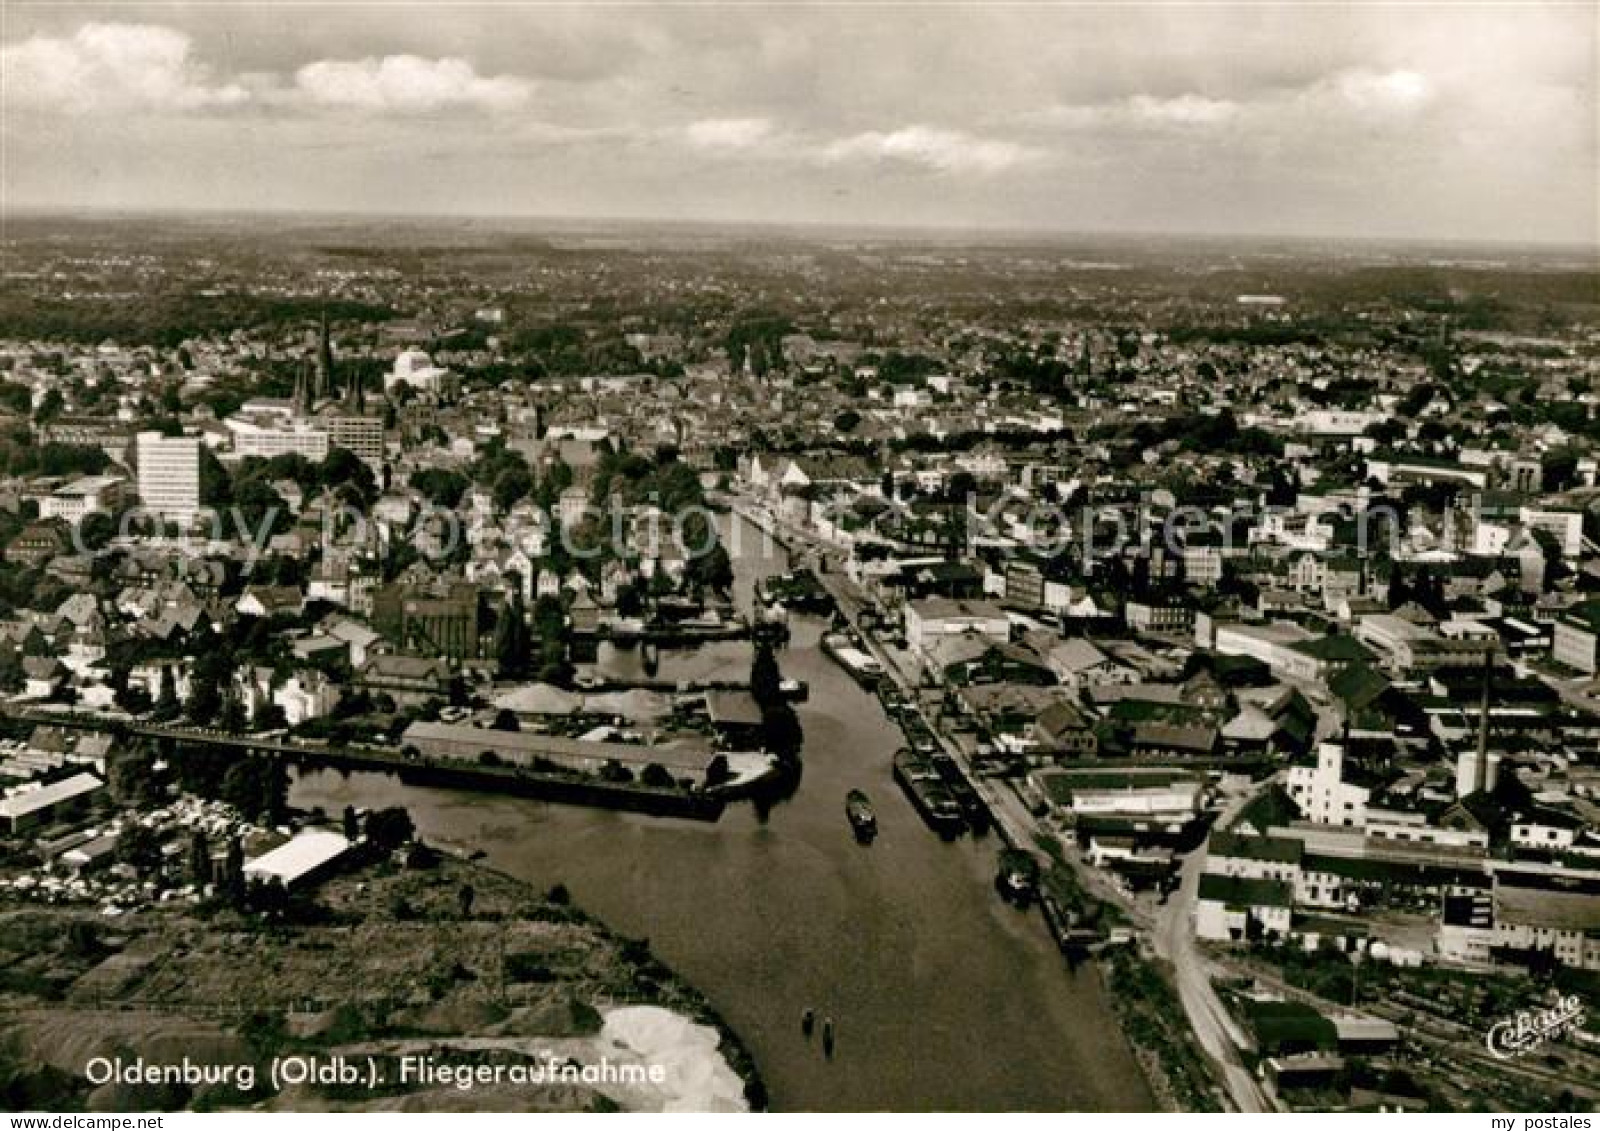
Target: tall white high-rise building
x,y
169,475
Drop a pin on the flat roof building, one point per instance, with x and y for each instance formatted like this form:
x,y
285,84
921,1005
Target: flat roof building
x,y
299,860
169,475
33,807
466,743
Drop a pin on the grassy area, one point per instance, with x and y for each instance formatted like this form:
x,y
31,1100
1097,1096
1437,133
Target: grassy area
x,y
393,955
1141,992
1147,1005
1284,1027
1060,881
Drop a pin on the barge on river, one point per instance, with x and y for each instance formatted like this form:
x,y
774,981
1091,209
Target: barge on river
x,y
929,795
864,669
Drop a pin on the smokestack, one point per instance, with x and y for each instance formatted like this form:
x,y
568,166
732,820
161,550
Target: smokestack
x,y
1481,769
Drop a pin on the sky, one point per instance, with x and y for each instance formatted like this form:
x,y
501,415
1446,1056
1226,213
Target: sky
x,y
1425,120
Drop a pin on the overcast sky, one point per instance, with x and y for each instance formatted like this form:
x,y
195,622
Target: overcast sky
x,y
1421,120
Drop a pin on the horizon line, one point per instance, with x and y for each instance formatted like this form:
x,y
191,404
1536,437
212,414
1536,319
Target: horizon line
x,y
886,229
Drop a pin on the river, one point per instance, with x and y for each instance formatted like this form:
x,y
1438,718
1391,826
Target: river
x,y
943,997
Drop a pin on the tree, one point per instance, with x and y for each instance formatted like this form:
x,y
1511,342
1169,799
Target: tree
x,y
1386,431
656,776
167,700
506,720
233,718
12,676
83,939
352,823
132,698
216,487
205,695
233,873
349,478
96,530
139,848
256,786
511,486
199,858
388,829
131,774
441,486
712,570
18,398
1559,466
51,405
261,510
549,626
512,646
465,897
847,421
556,480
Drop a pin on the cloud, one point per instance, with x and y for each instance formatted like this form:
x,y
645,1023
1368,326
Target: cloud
x,y
1475,120
113,67
408,84
1139,112
944,151
1381,90
728,133
119,68
1184,110
1357,93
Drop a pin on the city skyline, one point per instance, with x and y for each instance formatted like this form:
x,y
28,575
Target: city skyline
x,y
1439,123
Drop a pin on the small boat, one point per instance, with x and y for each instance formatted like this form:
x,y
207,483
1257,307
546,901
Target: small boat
x,y
808,1021
827,1037
858,808
1017,879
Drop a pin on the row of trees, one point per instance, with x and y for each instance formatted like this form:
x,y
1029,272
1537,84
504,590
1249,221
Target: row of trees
x,y
533,645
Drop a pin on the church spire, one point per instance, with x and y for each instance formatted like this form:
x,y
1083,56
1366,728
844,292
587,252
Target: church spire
x,y
355,393
325,386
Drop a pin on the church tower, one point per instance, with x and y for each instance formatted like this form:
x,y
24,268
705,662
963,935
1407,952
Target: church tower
x,y
302,390
355,393
324,386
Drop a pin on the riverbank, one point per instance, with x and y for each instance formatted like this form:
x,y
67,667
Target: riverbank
x,y
453,966
776,909
1152,1019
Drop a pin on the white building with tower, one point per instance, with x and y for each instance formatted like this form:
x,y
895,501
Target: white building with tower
x,y
416,369
1322,793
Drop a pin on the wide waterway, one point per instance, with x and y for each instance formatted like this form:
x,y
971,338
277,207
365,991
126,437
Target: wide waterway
x,y
943,997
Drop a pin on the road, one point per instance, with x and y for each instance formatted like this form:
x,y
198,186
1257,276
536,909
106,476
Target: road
x,y
1215,1028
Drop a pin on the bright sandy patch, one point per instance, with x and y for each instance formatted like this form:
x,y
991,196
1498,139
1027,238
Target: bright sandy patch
x,y
697,1076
